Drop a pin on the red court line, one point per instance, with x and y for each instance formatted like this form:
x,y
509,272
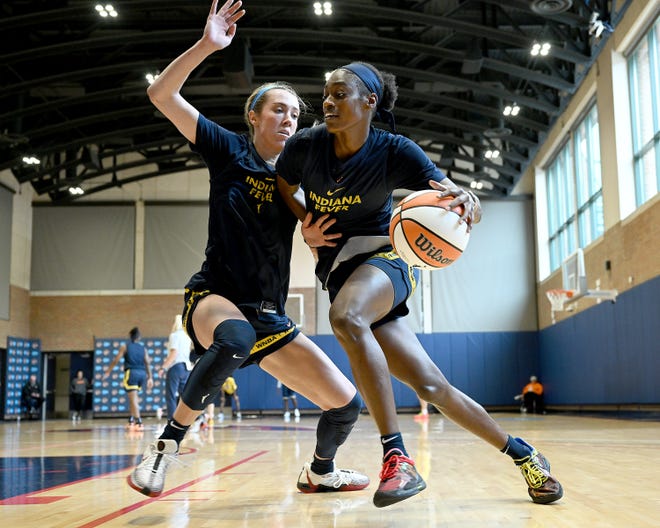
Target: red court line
x,y
132,507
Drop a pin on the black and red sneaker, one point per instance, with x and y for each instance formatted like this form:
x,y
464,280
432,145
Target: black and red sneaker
x,y
399,479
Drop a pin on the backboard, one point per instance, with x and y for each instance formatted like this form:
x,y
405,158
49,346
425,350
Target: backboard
x,y
574,276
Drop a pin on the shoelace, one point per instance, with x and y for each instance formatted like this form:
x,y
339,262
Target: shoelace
x,y
534,473
167,458
341,478
392,464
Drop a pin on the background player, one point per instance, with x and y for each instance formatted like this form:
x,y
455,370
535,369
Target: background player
x,y
137,369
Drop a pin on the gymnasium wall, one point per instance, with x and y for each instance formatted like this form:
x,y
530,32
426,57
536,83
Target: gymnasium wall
x,y
489,366
5,256
608,354
632,248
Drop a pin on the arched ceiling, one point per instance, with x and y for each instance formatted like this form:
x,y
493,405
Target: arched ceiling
x,y
73,83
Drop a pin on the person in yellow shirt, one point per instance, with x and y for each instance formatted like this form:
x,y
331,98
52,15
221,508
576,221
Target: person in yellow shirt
x,y
229,394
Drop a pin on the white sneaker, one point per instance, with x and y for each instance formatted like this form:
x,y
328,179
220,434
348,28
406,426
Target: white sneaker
x,y
221,417
238,416
296,413
149,476
287,416
337,480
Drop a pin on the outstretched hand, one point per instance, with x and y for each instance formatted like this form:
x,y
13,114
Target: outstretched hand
x,y
469,201
314,233
221,24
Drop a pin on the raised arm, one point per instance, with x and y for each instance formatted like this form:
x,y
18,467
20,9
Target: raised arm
x,y
165,94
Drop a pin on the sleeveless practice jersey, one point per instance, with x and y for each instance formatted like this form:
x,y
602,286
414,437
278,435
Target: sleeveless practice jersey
x,y
356,192
134,356
250,228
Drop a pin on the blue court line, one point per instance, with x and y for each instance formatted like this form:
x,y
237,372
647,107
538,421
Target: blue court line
x,y
23,475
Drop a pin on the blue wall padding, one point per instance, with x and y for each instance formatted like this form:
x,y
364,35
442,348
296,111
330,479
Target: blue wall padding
x,y
491,367
607,354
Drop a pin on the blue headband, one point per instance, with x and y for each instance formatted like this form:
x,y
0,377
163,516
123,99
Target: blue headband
x,y
368,77
259,94
374,85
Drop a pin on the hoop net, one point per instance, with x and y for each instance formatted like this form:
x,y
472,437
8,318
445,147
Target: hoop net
x,y
558,297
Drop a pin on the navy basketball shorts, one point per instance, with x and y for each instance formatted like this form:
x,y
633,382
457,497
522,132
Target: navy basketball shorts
x,y
134,379
273,330
287,392
404,280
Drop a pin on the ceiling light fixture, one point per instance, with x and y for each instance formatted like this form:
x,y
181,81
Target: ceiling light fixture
x,y
323,8
540,49
511,110
106,10
76,191
492,154
31,160
151,77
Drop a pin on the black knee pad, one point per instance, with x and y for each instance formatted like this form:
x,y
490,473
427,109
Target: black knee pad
x,y
334,427
232,341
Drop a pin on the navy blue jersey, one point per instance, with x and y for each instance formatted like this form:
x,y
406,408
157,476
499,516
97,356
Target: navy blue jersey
x,y
356,192
250,230
134,356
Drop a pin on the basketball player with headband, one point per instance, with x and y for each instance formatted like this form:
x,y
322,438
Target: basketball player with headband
x,y
234,306
348,170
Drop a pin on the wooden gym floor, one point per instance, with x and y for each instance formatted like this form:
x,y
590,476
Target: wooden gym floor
x,y
243,474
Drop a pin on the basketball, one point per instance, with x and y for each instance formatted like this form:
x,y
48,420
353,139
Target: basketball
x,y
424,234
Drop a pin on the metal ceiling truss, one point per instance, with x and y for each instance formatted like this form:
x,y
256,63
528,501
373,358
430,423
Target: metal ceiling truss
x,y
73,92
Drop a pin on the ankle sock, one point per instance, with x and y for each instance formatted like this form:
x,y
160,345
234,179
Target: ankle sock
x,y
174,431
517,449
392,441
321,467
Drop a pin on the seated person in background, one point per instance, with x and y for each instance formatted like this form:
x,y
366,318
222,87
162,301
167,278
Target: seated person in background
x,y
532,396
31,395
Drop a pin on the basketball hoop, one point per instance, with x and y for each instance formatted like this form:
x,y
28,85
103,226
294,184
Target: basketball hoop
x,y
557,299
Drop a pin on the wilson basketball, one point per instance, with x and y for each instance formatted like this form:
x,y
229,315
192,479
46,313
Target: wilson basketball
x,y
424,234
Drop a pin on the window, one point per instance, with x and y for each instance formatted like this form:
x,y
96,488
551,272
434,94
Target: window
x,y
644,82
575,192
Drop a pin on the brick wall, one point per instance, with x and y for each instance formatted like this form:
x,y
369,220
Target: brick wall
x,y
70,323
633,249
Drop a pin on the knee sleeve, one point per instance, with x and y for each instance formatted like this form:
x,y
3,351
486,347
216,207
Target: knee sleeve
x,y
232,341
334,427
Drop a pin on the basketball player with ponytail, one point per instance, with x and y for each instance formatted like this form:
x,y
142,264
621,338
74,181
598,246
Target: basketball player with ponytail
x,y
348,170
234,306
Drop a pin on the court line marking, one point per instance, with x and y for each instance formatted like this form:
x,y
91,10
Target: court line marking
x,y
127,509
29,495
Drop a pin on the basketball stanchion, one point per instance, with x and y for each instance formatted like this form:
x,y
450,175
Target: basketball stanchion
x,y
558,298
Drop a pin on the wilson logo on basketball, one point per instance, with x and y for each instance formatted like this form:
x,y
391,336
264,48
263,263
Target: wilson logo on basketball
x,y
434,253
